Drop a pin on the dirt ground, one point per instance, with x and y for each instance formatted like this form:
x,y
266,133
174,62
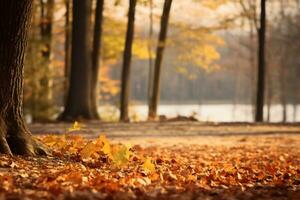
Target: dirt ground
x,y
173,128
180,133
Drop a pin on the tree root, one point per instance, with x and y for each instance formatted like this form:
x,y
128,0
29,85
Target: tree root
x,y
25,145
4,147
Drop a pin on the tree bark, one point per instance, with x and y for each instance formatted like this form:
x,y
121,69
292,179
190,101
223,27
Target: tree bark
x,y
269,93
125,90
15,137
253,68
158,60
67,48
150,75
295,111
78,104
96,56
259,116
283,89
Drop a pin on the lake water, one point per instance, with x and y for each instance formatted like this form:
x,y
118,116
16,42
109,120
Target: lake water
x,y
210,112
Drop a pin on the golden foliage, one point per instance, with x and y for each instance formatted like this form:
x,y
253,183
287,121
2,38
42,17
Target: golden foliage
x,y
203,55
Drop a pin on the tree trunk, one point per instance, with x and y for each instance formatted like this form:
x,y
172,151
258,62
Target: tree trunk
x,y
67,49
269,93
236,92
159,57
295,111
14,135
125,90
259,116
150,76
78,104
96,56
283,91
252,68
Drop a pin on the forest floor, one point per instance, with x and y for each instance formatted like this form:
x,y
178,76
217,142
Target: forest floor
x,y
151,160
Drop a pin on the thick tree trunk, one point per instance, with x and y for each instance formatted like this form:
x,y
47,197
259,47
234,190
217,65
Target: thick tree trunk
x,y
14,135
96,56
259,116
159,57
125,90
78,104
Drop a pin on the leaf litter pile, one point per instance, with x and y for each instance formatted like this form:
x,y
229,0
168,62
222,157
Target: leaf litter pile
x,y
100,169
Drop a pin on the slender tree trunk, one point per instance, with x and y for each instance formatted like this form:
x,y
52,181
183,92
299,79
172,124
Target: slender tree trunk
x,y
269,94
150,76
96,56
14,136
200,95
259,116
67,48
159,57
252,68
283,91
269,104
78,104
125,90
236,92
295,111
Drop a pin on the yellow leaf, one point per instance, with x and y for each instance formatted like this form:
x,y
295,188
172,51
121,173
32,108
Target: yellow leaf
x,y
107,150
88,150
76,127
120,154
148,165
104,143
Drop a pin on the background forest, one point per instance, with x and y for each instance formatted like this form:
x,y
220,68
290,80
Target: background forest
x,y
210,59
